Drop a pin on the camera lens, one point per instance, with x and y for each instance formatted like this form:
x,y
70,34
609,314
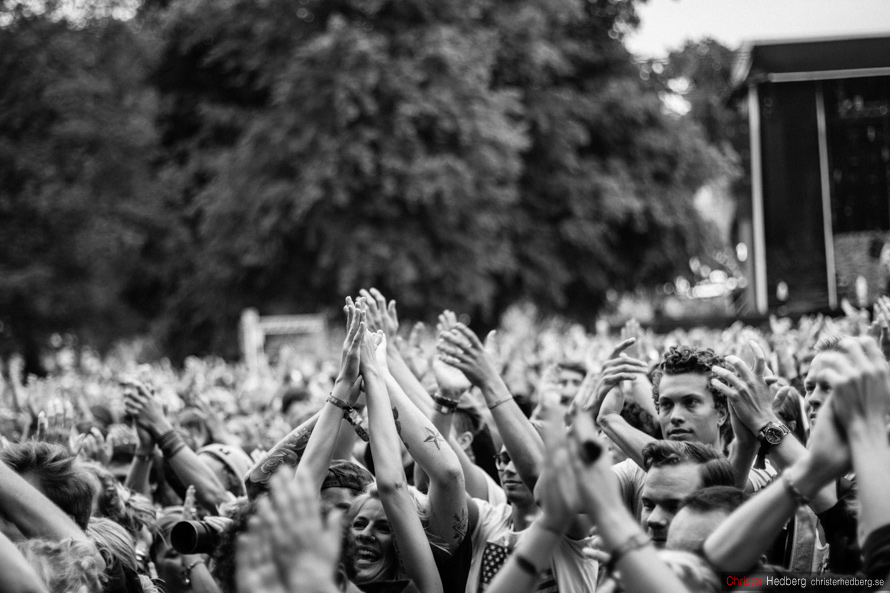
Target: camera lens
x,y
193,537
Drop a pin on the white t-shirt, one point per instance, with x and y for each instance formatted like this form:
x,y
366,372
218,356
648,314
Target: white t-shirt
x,y
494,540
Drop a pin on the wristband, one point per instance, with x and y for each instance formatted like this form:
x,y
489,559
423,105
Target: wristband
x,y
351,416
526,565
170,443
794,491
503,401
631,544
144,456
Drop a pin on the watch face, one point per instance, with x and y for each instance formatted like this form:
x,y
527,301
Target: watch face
x,y
773,435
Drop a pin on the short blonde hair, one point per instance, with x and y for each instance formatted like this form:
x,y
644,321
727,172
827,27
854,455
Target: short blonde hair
x,y
65,566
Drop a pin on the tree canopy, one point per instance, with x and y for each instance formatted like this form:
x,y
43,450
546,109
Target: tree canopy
x,y
210,155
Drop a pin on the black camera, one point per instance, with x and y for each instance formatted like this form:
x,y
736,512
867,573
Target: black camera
x,y
194,537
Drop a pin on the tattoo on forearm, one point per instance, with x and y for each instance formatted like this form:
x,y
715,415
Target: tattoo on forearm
x,y
289,451
460,525
395,415
433,437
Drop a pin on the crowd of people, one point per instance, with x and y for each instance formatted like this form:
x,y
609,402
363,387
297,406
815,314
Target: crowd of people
x,y
436,461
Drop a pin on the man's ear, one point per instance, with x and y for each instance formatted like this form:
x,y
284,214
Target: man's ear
x,y
465,439
723,414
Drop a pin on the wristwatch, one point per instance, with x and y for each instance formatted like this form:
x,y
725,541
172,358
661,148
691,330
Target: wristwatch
x,y
769,436
772,434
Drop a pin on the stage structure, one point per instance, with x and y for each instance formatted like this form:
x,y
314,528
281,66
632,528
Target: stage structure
x,y
306,331
819,127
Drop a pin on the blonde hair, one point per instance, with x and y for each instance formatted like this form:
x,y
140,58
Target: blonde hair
x,y
421,505
68,566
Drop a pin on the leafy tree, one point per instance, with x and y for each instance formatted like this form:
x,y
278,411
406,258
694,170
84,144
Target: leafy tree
x,y
462,154
75,188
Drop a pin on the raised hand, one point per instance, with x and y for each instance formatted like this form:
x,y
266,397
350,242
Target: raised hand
x,y
860,381
349,359
618,368
141,404
381,315
747,391
56,424
413,352
461,348
92,446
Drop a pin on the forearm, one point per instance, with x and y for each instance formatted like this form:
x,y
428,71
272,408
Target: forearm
x,y
741,457
410,384
287,451
319,450
742,538
474,476
629,439
868,444
137,476
191,471
34,514
641,568
425,443
791,451
522,441
199,575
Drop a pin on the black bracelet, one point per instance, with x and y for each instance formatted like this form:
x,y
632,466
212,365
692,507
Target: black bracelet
x,y
170,443
445,402
526,565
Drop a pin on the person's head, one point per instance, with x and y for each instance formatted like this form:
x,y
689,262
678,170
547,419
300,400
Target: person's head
x,y
674,471
344,481
72,566
570,374
466,425
817,388
166,559
294,403
372,539
789,407
229,464
57,474
689,407
518,494
699,515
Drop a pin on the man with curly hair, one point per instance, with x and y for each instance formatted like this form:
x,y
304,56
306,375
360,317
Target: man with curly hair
x,y
689,409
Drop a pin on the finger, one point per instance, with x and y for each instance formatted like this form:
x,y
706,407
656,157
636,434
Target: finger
x,y
78,444
622,347
490,341
723,388
468,334
852,347
759,358
416,335
455,362
379,299
391,310
625,368
740,367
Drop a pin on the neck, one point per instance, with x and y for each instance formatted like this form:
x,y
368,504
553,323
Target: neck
x,y
523,515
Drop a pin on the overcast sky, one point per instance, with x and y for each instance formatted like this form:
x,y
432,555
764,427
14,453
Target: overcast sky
x,y
667,24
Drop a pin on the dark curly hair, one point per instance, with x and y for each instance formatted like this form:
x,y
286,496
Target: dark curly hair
x,y
685,359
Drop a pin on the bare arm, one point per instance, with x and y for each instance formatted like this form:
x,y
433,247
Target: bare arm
x,y
141,404
462,349
286,452
413,546
319,451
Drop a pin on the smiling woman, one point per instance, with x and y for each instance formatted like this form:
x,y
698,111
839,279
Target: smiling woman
x,y
371,537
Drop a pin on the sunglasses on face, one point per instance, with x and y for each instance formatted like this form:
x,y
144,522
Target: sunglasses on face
x,y
502,459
